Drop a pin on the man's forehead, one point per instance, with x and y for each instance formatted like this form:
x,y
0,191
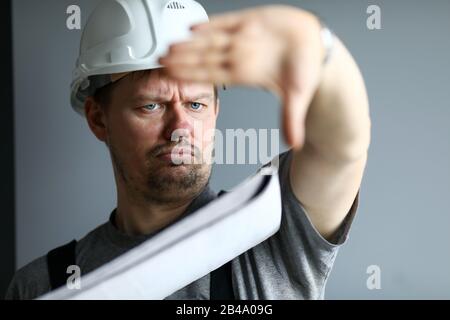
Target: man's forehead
x,y
157,84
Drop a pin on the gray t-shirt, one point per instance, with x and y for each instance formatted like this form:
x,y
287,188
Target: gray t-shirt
x,y
294,263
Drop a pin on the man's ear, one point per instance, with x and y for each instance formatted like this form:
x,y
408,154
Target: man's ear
x,y
96,118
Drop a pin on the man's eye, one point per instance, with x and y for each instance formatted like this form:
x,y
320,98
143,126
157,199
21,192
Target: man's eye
x,y
196,106
152,106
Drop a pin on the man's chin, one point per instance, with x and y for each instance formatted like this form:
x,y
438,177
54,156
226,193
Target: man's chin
x,y
178,180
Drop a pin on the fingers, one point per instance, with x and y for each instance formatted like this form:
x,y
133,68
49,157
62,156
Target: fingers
x,y
226,22
211,67
204,58
218,48
203,41
194,60
211,75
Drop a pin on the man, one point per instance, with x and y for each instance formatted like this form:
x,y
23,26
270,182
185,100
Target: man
x,y
325,121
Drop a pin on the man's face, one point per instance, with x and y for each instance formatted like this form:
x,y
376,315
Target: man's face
x,y
147,116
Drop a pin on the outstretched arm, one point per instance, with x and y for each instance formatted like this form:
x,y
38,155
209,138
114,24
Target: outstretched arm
x,y
324,107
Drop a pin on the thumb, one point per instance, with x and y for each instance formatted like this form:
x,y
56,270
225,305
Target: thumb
x,y
293,119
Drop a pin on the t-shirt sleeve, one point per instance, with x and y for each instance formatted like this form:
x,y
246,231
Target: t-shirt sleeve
x,y
295,217
13,290
295,262
29,282
307,256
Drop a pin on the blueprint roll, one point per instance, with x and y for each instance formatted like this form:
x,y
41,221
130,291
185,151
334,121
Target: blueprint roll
x,y
189,249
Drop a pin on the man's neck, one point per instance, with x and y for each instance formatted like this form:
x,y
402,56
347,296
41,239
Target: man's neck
x,y
142,219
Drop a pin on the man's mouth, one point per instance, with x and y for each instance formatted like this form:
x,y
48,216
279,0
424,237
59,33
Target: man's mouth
x,y
178,155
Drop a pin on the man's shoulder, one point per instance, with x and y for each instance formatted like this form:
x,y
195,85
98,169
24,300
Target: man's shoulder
x,y
33,280
30,281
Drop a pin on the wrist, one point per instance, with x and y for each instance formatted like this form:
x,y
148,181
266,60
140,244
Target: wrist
x,y
318,33
328,41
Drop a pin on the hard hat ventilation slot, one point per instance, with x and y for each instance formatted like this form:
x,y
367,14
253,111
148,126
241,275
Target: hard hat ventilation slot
x,y
175,5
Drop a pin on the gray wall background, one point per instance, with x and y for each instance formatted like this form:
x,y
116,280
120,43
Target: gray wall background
x,y
64,182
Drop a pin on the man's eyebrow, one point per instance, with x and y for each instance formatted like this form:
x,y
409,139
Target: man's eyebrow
x,y
149,96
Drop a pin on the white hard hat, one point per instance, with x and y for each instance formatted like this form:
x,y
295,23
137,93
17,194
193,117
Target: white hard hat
x,y
122,36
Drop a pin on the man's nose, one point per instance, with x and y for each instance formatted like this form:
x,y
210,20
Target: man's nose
x,y
177,123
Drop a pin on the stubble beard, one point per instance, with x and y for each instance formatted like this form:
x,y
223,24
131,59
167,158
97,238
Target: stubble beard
x,y
160,182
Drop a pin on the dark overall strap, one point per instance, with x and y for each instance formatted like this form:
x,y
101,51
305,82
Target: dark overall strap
x,y
57,261
221,281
